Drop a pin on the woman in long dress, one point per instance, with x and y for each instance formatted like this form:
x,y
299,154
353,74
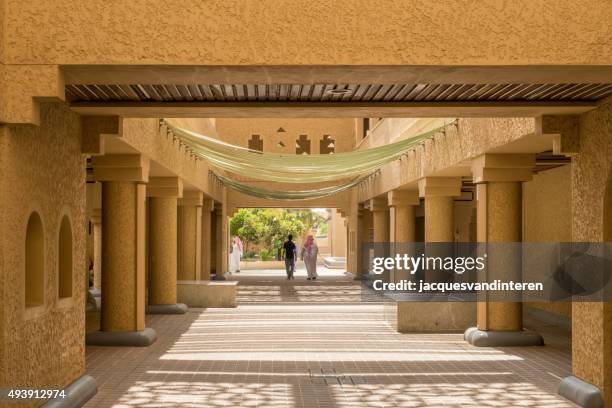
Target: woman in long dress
x,y
309,256
234,261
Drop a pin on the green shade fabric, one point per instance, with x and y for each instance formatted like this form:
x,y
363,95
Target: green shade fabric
x,y
294,168
347,169
271,194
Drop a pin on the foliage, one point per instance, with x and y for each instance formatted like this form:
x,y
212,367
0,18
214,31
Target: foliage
x,y
266,255
270,227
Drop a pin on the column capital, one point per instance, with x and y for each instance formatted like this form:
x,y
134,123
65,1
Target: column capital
x,y
403,198
121,167
191,198
167,187
208,205
440,186
503,167
379,204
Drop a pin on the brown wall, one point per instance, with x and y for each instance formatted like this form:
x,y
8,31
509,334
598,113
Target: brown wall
x,y
41,170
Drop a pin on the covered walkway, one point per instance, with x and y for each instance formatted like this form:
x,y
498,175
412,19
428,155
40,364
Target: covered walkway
x,y
307,344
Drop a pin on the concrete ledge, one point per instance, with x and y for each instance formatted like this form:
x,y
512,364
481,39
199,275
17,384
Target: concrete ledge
x,y
77,393
481,338
334,262
430,317
207,293
177,308
581,392
142,338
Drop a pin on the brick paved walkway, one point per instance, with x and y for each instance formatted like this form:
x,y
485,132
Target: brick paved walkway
x,y
312,344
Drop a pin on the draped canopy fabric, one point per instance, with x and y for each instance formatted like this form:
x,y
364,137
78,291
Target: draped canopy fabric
x,y
346,169
275,194
294,168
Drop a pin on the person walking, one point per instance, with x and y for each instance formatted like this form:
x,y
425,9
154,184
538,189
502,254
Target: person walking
x,y
289,254
309,256
234,261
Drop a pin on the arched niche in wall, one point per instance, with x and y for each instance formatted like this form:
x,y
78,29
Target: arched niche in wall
x,y
65,259
34,262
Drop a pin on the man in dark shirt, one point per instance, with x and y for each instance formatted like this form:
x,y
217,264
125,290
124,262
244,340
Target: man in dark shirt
x,y
289,253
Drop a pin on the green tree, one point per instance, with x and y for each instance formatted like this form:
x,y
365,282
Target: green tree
x,y
270,227
247,225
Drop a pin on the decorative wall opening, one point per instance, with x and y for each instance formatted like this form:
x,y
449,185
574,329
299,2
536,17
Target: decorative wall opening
x,y
65,264
255,143
34,262
302,145
327,145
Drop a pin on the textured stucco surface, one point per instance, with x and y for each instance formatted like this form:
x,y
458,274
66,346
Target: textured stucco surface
x,y
187,240
338,32
469,139
42,169
499,220
547,217
239,131
592,322
146,136
162,250
123,287
439,216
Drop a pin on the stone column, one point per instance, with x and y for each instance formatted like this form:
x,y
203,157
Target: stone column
x,y
222,241
401,214
96,225
189,235
380,219
498,179
364,223
123,180
380,222
402,223
207,212
163,194
438,193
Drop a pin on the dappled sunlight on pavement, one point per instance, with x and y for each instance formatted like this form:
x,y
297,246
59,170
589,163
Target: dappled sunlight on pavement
x,y
303,351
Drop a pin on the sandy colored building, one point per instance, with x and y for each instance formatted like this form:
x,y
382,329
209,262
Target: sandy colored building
x,y
90,173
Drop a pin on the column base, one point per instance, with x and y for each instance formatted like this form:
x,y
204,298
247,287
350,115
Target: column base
x,y
482,338
142,338
581,392
219,278
77,393
177,308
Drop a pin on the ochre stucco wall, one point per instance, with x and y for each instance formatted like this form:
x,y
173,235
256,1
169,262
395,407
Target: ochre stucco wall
x,y
547,218
592,322
42,169
309,32
239,131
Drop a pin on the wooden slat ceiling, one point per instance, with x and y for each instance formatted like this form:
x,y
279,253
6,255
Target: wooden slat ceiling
x,y
338,92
